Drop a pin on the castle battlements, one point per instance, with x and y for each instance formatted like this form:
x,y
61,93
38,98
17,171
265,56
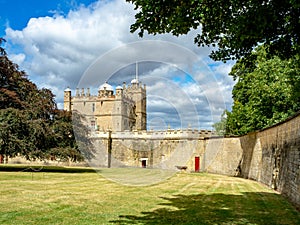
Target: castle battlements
x,y
123,113
155,135
121,109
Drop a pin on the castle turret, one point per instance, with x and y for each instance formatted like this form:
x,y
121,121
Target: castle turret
x,y
105,90
138,94
119,92
67,99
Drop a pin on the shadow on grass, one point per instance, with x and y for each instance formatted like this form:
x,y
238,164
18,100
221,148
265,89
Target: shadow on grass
x,y
246,208
55,169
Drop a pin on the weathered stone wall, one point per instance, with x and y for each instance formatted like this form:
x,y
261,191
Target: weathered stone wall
x,y
270,156
160,153
280,158
161,149
222,155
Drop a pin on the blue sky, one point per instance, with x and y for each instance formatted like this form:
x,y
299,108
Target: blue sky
x,y
16,13
56,42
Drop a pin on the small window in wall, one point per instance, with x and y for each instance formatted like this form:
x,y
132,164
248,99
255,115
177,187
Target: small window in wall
x,y
93,123
93,107
83,103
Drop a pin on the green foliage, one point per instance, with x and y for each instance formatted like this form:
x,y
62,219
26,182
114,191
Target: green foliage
x,y
268,84
82,133
220,127
266,92
13,132
235,26
30,123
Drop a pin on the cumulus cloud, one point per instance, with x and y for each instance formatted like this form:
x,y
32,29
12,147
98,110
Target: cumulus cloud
x,y
64,46
18,58
92,44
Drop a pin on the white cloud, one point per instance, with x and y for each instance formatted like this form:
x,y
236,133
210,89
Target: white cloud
x,y
18,58
56,51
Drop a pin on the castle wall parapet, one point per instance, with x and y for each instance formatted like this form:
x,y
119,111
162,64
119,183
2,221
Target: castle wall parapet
x,y
191,134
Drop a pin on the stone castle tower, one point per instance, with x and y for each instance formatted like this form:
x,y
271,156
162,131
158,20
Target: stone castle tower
x,y
124,110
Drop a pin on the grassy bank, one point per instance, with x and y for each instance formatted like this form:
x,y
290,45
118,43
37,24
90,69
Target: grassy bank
x,y
90,198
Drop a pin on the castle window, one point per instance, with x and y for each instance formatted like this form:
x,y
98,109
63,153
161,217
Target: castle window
x,y
93,124
93,107
101,103
83,103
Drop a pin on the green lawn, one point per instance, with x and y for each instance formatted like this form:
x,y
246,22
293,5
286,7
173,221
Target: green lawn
x,y
90,198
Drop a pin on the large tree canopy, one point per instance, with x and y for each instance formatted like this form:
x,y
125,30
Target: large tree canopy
x,y
268,79
234,26
30,123
267,91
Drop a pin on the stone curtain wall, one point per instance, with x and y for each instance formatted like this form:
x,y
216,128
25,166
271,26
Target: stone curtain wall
x,y
222,156
280,158
270,156
164,154
162,149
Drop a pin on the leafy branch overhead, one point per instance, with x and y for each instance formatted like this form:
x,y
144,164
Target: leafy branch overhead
x,y
263,36
235,27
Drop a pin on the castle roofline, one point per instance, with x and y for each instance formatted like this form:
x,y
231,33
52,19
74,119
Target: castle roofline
x,y
106,86
134,81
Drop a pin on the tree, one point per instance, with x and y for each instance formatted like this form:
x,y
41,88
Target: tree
x,y
30,123
234,26
13,132
268,79
220,127
64,146
267,91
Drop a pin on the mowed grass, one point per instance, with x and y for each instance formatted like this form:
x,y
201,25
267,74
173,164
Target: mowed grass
x,y
90,198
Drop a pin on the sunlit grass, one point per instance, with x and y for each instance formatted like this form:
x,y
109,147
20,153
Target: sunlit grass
x,y
90,198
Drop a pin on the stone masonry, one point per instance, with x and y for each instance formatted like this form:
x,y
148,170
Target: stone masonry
x,y
120,139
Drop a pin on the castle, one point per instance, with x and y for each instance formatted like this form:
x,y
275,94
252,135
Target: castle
x,y
270,156
118,125
124,110
119,139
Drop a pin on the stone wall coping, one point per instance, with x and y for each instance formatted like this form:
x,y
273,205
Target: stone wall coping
x,y
166,134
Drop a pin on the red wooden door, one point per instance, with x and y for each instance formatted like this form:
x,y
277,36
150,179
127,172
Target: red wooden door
x,y
197,164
